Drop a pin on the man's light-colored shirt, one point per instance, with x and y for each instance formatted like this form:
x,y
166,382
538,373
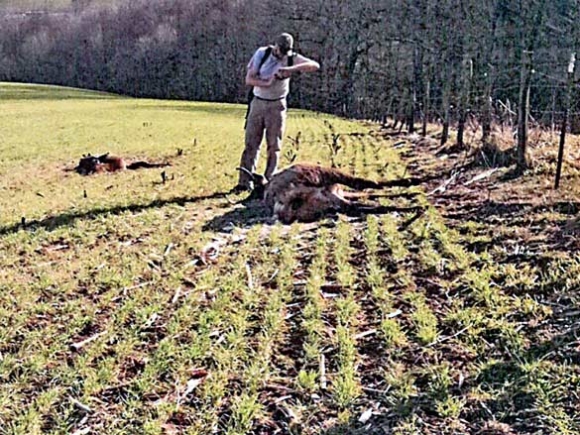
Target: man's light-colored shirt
x,y
279,88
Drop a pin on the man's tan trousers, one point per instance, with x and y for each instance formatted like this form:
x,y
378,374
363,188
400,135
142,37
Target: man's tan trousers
x,y
269,117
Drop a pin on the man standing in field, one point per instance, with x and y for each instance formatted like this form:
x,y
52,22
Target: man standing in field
x,y
269,73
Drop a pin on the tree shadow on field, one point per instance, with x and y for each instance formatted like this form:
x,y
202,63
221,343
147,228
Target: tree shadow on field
x,y
253,213
523,231
482,212
214,109
68,218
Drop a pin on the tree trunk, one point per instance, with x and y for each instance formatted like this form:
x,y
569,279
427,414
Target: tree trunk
x,y
553,111
446,103
466,78
426,104
487,108
417,85
524,110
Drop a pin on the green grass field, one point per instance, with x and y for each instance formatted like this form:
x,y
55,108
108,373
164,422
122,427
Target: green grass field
x,y
28,5
132,306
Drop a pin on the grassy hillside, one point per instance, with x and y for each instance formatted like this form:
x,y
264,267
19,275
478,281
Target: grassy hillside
x,y
133,306
47,129
28,5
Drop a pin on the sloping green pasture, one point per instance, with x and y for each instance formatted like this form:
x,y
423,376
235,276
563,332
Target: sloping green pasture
x,y
26,5
129,305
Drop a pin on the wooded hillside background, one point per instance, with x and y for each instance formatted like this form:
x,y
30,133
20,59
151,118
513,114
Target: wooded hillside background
x,y
451,58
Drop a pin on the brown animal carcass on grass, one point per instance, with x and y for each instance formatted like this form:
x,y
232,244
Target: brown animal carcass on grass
x,y
90,164
306,192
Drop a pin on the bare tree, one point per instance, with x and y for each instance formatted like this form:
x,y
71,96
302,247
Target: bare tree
x,y
529,37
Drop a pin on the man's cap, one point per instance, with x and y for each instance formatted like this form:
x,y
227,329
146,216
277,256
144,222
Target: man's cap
x,y
286,42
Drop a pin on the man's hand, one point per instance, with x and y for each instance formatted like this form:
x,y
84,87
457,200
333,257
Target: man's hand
x,y
253,79
283,73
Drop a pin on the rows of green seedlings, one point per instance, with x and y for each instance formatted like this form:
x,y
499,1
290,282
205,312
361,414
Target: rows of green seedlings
x,y
438,253
86,306
262,372
358,152
43,312
316,140
240,330
172,347
224,325
454,302
404,317
380,286
141,346
491,323
310,380
346,383
108,282
511,306
440,261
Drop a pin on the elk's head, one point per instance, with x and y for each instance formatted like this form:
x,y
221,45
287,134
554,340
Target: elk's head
x,y
303,204
88,164
259,182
